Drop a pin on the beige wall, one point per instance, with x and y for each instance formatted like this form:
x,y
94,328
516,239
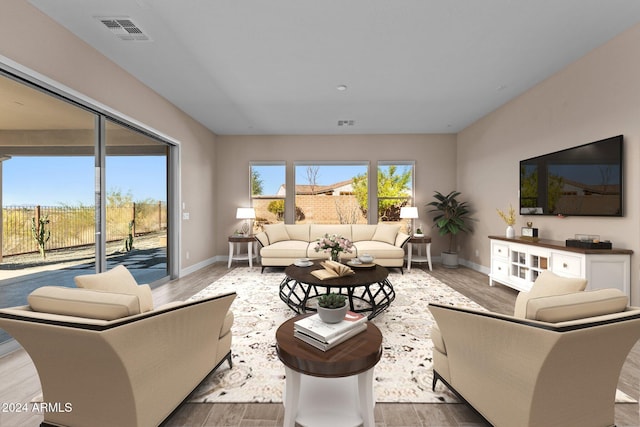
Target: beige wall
x,y
54,52
596,97
434,156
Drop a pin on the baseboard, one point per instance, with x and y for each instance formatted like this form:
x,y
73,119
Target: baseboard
x,y
474,266
195,267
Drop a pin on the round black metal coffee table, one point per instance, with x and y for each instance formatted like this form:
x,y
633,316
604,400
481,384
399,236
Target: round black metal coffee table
x,y
368,291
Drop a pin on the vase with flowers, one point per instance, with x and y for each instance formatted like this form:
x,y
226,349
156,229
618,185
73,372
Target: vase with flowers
x,y
333,245
510,219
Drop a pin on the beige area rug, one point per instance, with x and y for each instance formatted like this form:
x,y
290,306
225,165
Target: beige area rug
x,y
404,373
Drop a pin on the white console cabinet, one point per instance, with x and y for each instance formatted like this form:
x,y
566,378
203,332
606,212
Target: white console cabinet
x,y
517,263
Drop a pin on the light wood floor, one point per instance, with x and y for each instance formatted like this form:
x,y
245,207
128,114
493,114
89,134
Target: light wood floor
x,y
19,381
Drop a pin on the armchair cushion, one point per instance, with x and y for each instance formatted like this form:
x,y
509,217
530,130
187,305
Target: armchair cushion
x,y
547,284
83,303
577,305
118,280
436,338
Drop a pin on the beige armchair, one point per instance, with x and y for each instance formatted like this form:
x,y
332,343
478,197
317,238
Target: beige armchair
x,y
558,366
111,360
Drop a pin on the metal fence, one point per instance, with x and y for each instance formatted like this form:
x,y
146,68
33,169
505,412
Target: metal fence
x,y
73,226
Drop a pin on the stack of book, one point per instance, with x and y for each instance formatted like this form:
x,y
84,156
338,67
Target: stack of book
x,y
323,335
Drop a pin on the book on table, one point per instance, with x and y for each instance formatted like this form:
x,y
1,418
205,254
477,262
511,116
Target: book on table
x,y
314,327
331,270
324,346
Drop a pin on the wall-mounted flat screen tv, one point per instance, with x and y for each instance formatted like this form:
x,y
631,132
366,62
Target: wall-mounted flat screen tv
x,y
579,181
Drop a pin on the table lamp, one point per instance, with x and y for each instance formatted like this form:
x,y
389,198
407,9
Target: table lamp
x,y
409,213
246,214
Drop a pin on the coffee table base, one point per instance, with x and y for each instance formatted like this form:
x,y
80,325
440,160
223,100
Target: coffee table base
x,y
370,299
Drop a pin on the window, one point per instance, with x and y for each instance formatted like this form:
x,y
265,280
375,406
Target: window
x,y
395,189
268,192
331,193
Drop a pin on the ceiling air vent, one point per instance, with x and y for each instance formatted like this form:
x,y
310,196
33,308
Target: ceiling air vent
x,y
125,28
346,122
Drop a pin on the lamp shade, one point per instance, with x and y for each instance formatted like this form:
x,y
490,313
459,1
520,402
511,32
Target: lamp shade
x,y
409,212
245,213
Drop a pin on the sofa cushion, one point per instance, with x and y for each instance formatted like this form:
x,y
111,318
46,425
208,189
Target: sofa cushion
x,y
317,231
547,284
386,233
576,305
298,232
118,280
276,232
363,231
378,249
286,249
92,304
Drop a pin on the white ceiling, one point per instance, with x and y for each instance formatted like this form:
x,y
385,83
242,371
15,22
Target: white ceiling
x,y
411,66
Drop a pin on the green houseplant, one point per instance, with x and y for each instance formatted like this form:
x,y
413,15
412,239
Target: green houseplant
x,y
452,217
332,307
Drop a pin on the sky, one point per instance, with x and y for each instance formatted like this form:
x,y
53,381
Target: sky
x,y
56,181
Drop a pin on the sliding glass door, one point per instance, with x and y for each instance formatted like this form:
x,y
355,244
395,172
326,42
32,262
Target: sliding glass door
x,y
136,202
81,192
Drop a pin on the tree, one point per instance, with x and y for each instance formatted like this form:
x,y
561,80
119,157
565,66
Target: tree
x,y
393,191
256,183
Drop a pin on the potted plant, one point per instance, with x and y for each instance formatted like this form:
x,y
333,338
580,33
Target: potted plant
x,y
452,218
334,244
332,307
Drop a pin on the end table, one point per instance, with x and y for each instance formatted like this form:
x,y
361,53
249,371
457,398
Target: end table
x,y
236,241
419,241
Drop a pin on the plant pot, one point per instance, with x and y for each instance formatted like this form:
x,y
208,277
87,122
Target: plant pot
x,y
449,259
332,315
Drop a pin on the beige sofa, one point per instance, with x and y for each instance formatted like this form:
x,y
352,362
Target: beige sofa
x,y
111,359
282,244
557,366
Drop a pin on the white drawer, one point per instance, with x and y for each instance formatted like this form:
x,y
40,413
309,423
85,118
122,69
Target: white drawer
x,y
567,265
499,269
500,251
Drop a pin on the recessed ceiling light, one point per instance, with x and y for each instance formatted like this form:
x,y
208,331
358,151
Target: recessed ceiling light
x,y
342,88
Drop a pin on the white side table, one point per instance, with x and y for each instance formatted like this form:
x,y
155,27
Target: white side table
x,y
329,388
419,241
237,241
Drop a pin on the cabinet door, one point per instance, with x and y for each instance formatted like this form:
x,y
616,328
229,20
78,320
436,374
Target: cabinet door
x,y
538,262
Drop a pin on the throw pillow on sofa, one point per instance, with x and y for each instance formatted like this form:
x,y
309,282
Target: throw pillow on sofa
x,y
386,233
118,280
276,233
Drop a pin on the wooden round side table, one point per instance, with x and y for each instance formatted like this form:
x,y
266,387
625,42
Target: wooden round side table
x,y
419,241
308,368
250,240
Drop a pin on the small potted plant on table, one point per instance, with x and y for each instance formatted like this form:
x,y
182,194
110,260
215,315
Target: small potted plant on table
x,y
332,307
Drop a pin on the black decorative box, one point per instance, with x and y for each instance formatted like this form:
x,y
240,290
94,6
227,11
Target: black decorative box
x,y
587,244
